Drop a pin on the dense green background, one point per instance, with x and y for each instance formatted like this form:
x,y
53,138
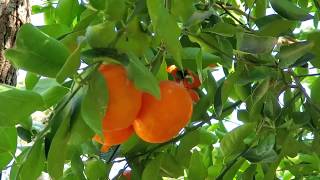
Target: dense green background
x,y
270,81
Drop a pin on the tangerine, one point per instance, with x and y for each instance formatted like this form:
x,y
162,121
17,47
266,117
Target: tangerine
x,y
161,120
124,99
113,137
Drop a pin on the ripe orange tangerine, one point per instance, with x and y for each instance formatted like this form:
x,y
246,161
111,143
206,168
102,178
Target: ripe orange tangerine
x,y
113,137
124,99
161,120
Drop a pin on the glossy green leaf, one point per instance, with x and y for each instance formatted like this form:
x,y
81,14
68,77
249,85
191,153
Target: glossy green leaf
x,y
290,54
31,80
94,103
171,166
289,10
196,170
315,90
55,30
142,77
116,9
223,29
59,142
101,35
232,143
230,174
50,91
80,131
46,59
70,67
274,25
255,44
166,28
96,169
66,11
8,145
33,163
152,169
130,42
12,99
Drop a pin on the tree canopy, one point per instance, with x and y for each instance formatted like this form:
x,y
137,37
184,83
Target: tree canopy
x,y
257,62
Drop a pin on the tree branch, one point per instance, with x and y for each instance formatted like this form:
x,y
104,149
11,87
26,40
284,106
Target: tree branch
x,y
235,9
302,89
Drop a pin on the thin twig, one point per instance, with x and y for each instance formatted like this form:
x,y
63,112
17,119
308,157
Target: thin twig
x,y
113,153
303,90
306,75
233,17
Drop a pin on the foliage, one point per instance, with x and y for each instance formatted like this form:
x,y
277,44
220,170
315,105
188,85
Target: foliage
x,y
269,63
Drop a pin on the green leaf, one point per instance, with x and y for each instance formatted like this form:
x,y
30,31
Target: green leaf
x,y
261,7
80,131
70,67
95,103
24,134
96,169
98,4
46,59
13,99
263,152
50,91
184,12
289,10
232,143
116,9
223,29
66,11
230,174
171,166
205,102
315,91
274,25
101,35
130,42
255,44
77,166
8,145
162,73
288,55
256,74
166,28
152,169
55,30
33,162
31,80
18,163
58,149
142,77
197,170
249,172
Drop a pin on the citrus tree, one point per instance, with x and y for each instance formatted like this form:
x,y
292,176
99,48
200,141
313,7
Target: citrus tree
x,y
153,83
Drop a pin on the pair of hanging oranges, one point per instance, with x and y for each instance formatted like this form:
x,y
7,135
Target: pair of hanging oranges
x,y
129,110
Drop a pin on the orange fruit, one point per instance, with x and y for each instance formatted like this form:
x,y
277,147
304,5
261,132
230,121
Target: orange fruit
x,y
124,99
113,137
161,120
194,95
